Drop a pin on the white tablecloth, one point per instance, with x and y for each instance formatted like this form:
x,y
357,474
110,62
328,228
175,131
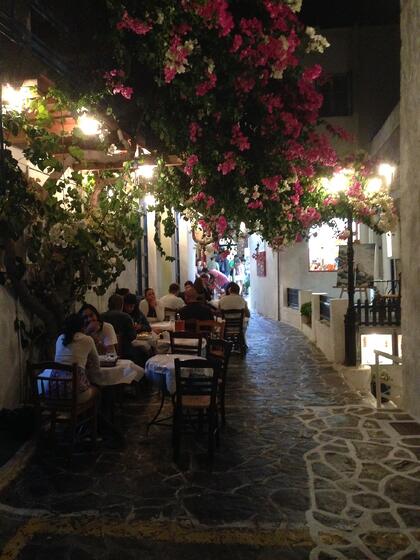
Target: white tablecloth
x,y
125,371
164,364
153,342
163,326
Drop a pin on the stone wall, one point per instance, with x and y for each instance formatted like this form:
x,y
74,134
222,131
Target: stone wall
x,y
410,200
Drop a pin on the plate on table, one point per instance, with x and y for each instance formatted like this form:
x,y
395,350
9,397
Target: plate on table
x,y
144,336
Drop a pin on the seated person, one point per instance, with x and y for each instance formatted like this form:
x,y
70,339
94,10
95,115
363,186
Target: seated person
x,y
187,285
232,300
141,324
103,334
172,299
201,288
150,307
122,323
74,346
195,310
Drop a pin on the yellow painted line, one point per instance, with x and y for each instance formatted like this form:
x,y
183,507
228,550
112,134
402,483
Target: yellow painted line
x,y
154,531
10,470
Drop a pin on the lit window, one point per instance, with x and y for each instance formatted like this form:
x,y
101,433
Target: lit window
x,y
323,247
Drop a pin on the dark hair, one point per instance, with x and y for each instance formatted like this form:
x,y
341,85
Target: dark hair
x,y
234,288
72,325
173,288
122,291
130,299
148,290
115,302
188,283
91,307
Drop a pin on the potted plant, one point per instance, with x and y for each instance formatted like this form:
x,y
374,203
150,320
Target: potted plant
x,y
306,312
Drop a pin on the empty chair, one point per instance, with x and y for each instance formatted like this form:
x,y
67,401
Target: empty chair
x,y
218,352
195,397
211,329
55,391
234,328
186,343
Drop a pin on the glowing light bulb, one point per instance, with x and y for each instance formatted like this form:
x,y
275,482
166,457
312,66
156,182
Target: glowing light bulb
x,y
373,185
386,171
145,171
89,125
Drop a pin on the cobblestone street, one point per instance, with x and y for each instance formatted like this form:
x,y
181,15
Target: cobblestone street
x,y
306,470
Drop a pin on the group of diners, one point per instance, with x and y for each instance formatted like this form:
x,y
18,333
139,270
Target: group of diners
x,y
88,334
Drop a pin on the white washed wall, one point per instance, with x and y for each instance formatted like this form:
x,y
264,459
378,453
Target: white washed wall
x,y
410,200
264,289
12,357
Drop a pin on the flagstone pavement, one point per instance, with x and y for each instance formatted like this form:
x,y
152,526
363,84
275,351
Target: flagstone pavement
x,y
306,469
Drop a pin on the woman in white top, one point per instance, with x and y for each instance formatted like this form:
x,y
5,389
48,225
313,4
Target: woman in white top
x,y
151,308
103,333
73,346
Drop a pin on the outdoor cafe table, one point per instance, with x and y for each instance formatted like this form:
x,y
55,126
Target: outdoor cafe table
x,y
123,372
162,368
161,326
152,342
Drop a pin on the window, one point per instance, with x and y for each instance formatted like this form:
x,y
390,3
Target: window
x,y
323,247
337,96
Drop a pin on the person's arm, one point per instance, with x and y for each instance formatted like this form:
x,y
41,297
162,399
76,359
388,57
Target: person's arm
x,y
110,339
144,323
144,307
129,330
92,363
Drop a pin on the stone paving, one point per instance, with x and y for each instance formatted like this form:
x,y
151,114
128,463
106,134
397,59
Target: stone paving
x,y
306,470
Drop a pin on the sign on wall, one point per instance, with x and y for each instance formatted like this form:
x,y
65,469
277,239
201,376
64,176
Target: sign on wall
x,y
261,263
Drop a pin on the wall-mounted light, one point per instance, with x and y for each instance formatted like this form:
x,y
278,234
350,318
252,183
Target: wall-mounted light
x,y
89,125
387,171
338,182
16,99
145,171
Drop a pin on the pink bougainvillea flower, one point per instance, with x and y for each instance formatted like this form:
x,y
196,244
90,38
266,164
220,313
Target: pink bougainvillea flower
x,y
125,91
195,131
135,25
239,139
255,204
192,160
208,85
221,225
271,183
228,165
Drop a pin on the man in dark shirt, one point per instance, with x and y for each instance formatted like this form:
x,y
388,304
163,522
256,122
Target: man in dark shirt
x,y
195,310
124,329
131,307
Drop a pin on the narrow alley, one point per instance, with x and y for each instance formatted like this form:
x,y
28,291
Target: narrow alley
x,y
305,469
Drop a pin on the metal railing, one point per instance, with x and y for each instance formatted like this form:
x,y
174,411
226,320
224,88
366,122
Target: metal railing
x,y
384,376
293,298
385,311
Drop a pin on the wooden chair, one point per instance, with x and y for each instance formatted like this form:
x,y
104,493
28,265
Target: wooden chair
x,y
170,314
186,343
218,352
58,397
211,329
234,328
196,394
